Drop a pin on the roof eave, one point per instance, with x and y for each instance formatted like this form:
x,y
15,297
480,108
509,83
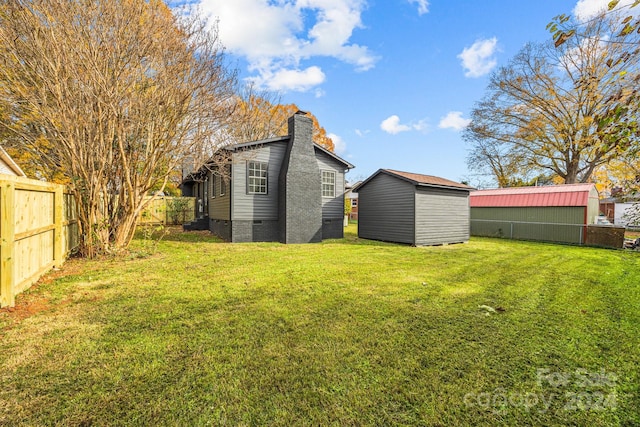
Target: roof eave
x,y
333,155
446,187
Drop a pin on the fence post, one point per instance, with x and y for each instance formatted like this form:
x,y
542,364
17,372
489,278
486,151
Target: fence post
x,y
7,237
58,218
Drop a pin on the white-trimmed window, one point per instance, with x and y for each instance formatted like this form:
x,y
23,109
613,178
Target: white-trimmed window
x,y
328,184
223,185
213,186
257,177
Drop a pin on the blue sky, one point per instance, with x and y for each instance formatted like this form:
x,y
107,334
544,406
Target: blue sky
x,y
393,82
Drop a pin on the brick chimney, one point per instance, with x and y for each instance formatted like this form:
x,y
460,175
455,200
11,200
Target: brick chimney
x,y
299,183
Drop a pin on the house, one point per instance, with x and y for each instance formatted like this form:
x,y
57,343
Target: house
x,y
352,199
412,208
8,166
556,213
624,211
284,189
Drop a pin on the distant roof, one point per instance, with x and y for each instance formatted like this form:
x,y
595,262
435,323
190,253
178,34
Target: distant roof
x,y
552,195
11,164
417,179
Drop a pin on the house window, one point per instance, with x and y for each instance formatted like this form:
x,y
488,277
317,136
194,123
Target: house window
x,y
328,184
223,186
354,203
213,186
257,178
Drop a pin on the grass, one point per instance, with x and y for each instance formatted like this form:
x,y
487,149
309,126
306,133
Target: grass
x,y
347,332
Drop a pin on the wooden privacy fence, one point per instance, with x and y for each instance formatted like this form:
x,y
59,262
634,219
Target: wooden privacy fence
x,y
38,229
169,210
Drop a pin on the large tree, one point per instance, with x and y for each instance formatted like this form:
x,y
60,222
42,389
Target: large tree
x,y
555,110
111,94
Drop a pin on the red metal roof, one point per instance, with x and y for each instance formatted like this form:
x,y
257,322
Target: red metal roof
x,y
553,195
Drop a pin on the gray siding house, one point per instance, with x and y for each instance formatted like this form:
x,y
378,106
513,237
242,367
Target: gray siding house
x,y
284,189
412,208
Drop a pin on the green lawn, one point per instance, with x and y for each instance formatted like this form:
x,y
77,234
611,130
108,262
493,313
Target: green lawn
x,y
347,332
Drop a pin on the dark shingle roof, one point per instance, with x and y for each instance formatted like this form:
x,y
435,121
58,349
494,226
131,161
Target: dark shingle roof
x,y
427,179
416,179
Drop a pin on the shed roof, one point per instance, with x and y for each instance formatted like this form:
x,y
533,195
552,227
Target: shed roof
x,y
416,179
544,196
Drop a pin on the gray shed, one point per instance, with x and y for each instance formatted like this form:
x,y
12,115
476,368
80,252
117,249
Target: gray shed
x,y
412,208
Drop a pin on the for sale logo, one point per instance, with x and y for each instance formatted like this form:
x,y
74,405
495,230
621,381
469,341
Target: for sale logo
x,y
578,390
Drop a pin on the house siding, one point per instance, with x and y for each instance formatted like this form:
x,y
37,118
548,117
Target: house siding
x,y
332,207
442,216
262,207
220,205
387,210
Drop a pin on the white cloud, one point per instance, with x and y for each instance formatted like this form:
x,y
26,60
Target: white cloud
x,y
422,125
272,35
392,125
361,133
423,6
587,9
338,143
283,79
319,93
479,59
453,120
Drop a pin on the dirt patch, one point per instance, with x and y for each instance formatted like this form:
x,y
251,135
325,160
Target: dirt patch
x,y
34,302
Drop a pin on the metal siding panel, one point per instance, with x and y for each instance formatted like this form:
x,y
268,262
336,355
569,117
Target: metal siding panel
x,y
257,206
442,216
503,216
386,210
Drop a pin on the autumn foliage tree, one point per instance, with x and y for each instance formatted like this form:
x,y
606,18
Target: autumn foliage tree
x,y
259,116
112,95
623,172
557,109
